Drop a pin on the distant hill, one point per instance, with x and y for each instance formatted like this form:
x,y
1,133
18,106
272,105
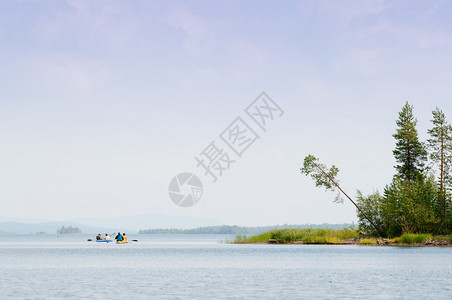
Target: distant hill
x,y
234,229
129,224
48,227
145,224
137,222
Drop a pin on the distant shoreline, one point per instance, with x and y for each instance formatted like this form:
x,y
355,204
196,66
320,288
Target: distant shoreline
x,y
235,229
310,236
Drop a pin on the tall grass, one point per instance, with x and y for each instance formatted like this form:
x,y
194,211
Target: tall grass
x,y
411,238
368,241
307,236
263,237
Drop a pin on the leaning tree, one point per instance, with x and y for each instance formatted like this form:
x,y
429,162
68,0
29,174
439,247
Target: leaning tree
x,y
326,177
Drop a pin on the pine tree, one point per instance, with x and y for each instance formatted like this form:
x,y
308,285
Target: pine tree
x,y
440,145
410,153
326,177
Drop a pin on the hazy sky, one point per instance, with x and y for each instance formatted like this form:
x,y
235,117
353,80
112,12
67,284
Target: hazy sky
x,y
102,103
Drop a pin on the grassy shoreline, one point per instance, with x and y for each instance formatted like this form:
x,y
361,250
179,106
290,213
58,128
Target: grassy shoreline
x,y
312,236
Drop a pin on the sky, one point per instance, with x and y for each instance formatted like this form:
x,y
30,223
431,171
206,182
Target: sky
x,y
103,103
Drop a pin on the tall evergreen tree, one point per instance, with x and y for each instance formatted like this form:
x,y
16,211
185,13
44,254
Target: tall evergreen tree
x,y
440,145
409,153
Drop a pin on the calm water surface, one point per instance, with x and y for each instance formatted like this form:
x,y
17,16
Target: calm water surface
x,y
199,267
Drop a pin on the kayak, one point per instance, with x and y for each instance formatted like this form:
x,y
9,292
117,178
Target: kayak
x,y
104,241
122,242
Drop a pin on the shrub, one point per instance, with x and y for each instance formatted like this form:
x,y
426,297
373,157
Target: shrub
x,y
410,238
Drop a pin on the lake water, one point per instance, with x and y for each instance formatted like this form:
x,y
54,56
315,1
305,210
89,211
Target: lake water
x,y
200,267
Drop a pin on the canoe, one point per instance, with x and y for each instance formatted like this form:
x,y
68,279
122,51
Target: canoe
x,y
104,241
122,242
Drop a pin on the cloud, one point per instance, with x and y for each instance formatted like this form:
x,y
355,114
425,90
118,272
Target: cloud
x,y
71,72
351,9
422,29
180,17
85,22
431,39
198,35
414,35
316,91
358,60
344,10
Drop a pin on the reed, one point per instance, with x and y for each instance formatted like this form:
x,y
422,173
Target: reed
x,y
260,238
368,241
411,238
307,236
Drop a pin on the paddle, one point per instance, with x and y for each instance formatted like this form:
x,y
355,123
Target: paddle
x,y
132,240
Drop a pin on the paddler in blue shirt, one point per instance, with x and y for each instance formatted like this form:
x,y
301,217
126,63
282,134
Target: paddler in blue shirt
x,y
119,237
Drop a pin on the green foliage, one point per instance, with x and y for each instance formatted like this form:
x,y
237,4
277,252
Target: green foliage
x,y
410,206
312,167
263,238
368,241
440,145
326,177
414,202
413,238
442,237
372,206
405,207
441,137
307,236
411,203
410,153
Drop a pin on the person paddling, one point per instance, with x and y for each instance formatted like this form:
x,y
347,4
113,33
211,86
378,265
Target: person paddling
x,y
98,237
119,237
124,238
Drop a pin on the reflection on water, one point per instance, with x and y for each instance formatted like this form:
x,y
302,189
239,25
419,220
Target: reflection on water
x,y
198,266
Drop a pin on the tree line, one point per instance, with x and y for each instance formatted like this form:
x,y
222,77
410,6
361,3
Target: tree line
x,y
418,200
234,229
68,230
